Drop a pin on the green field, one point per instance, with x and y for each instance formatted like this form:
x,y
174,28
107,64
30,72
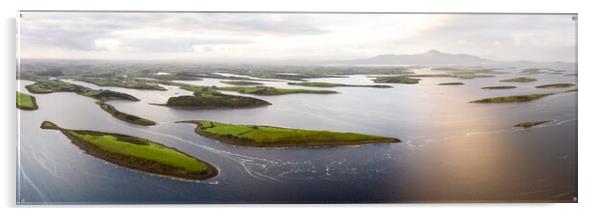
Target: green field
x,y
499,87
137,153
512,99
519,80
26,102
133,84
556,85
124,116
268,136
396,79
241,82
50,86
264,90
331,85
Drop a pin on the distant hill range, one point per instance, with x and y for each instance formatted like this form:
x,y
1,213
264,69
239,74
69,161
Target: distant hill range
x,y
427,58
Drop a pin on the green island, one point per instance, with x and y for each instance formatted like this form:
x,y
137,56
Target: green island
x,y
26,102
137,153
268,136
451,83
519,80
50,86
265,90
396,79
331,85
472,76
209,98
531,124
132,84
241,82
556,85
512,99
124,116
499,87
532,71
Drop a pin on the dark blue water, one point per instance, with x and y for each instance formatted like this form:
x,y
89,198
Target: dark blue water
x,y
451,150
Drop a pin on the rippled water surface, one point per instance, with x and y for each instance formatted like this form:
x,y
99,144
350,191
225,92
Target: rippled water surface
x,y
451,150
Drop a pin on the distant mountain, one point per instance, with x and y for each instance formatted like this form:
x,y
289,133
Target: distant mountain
x,y
427,58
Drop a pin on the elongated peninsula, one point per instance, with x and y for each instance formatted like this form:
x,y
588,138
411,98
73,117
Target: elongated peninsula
x,y
512,98
268,136
124,83
332,85
50,86
137,153
124,116
264,90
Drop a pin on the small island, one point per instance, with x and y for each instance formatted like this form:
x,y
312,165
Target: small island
x,y
512,99
531,124
210,98
396,79
499,87
557,85
26,102
241,82
268,136
471,74
532,71
451,83
519,80
50,86
132,84
269,91
331,85
124,116
138,154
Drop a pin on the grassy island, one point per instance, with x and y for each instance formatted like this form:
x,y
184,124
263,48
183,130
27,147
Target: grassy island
x,y
26,102
268,136
472,76
331,85
132,84
532,71
137,153
124,116
396,79
210,98
451,83
531,124
512,99
557,85
241,82
519,80
499,87
264,90
51,86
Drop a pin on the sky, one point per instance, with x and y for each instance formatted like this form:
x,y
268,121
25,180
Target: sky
x,y
268,37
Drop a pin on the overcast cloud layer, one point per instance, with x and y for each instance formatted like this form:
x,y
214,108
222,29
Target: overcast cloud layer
x,y
218,36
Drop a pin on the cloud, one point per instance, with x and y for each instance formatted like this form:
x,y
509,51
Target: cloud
x,y
504,37
290,36
83,31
